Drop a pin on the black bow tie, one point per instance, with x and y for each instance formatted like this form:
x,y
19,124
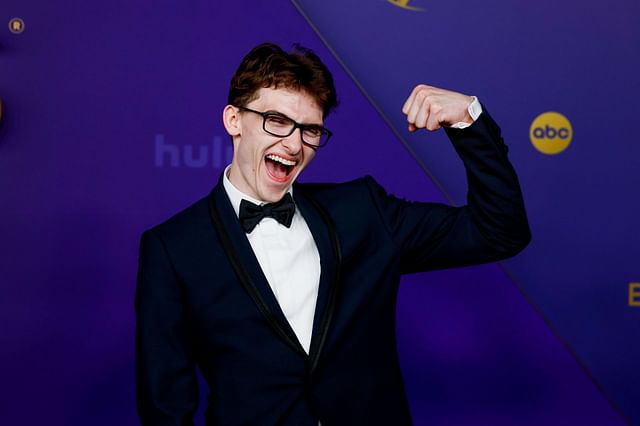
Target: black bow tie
x,y
251,214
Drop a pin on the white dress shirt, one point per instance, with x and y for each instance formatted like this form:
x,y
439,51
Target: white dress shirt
x,y
289,260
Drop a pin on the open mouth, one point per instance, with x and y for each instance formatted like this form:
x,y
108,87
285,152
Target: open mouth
x,y
278,167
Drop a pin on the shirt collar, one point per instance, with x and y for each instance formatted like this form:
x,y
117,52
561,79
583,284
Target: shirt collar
x,y
236,196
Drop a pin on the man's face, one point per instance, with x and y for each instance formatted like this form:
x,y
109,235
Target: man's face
x,y
265,166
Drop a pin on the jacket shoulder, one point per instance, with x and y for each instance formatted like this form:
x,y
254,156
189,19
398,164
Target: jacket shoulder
x,y
186,222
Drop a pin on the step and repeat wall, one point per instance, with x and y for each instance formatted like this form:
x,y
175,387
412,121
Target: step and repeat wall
x,y
111,122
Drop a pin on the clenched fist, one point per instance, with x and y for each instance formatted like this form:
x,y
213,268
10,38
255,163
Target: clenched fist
x,y
431,108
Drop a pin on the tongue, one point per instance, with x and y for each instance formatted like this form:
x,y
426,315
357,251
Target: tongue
x,y
276,169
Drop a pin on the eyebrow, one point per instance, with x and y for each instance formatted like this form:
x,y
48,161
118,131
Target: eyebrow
x,y
272,111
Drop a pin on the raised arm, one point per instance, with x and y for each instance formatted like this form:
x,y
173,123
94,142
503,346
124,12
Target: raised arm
x,y
492,226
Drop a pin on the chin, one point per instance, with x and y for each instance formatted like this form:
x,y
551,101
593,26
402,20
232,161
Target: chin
x,y
274,191
272,195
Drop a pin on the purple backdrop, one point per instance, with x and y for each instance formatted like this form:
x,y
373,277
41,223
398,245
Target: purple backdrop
x,y
522,60
111,123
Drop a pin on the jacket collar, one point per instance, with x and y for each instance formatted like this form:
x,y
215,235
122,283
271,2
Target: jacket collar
x,y
251,277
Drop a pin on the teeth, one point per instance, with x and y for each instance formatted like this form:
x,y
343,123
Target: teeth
x,y
281,160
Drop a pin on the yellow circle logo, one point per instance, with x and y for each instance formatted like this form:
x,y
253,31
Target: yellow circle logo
x,y
551,133
16,25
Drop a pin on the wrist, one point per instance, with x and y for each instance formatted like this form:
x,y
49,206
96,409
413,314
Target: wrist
x,y
474,109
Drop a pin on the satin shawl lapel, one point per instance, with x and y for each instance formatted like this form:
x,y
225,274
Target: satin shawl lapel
x,y
326,239
236,245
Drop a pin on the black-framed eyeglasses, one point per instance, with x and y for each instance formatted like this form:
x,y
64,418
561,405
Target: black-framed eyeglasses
x,y
277,124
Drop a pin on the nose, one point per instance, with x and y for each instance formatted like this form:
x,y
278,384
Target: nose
x,y
293,142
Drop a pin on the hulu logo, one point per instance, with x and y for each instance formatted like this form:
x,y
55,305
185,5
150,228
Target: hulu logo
x,y
215,155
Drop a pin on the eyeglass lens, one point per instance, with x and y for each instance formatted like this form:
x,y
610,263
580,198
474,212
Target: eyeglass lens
x,y
282,126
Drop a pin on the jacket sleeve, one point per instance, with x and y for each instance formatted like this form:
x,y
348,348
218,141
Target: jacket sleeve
x,y
166,384
492,226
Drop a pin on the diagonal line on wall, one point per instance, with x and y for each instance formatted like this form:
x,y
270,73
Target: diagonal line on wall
x,y
426,170
373,103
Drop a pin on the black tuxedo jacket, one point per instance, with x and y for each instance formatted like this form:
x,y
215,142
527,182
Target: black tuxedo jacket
x,y
203,301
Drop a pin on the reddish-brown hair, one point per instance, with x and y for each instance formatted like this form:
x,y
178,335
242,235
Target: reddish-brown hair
x,y
267,65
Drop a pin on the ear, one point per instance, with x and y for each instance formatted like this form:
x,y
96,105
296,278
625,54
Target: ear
x,y
231,120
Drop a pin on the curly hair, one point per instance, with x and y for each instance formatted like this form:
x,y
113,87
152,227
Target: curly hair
x,y
267,65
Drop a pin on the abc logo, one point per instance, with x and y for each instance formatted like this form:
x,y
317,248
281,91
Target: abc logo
x,y
551,133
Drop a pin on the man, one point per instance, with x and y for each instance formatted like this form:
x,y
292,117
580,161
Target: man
x,y
284,294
